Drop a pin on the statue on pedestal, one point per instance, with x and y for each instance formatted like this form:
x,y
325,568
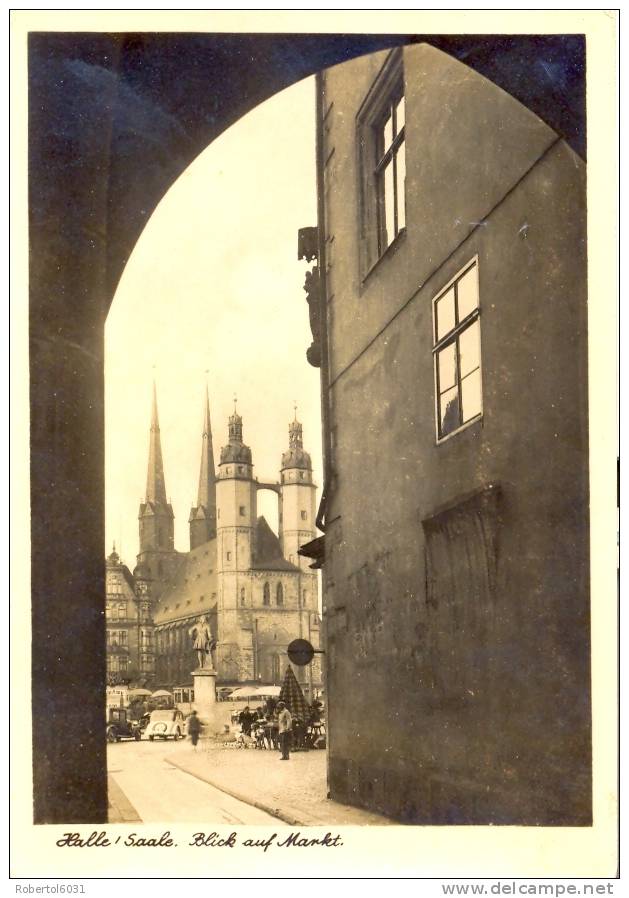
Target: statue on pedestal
x,y
203,643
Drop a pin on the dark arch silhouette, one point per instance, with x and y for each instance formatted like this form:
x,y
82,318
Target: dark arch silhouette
x,y
113,120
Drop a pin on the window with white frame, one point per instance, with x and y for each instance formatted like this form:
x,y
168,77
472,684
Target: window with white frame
x,y
382,143
390,168
456,335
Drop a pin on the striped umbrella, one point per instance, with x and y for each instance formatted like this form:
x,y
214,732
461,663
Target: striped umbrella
x,y
292,695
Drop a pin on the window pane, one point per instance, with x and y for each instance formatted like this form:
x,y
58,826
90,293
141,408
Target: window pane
x,y
387,134
469,349
471,395
447,367
449,411
468,293
389,231
400,115
400,161
445,313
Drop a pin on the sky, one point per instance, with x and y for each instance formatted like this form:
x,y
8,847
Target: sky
x,y
214,285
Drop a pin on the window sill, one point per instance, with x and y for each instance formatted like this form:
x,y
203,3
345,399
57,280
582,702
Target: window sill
x,y
389,251
477,420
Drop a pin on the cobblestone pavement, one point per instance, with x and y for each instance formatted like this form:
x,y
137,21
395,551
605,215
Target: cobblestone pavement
x,y
295,791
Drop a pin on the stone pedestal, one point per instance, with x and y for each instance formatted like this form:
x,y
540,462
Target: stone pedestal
x,y
204,680
213,717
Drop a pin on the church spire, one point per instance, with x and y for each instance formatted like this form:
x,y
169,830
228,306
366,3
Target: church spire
x,y
207,491
202,518
155,483
157,553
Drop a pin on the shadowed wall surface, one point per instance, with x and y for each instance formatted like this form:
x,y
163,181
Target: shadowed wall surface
x,y
113,120
456,580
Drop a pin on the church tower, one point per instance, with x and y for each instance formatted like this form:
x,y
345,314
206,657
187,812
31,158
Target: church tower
x,y
236,519
202,518
297,498
236,502
157,553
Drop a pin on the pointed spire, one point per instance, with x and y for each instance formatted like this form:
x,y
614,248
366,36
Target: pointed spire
x,y
207,490
202,518
155,483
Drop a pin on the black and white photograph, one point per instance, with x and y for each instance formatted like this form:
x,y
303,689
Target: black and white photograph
x,y
313,382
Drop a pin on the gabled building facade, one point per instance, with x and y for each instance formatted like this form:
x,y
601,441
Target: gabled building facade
x,y
129,622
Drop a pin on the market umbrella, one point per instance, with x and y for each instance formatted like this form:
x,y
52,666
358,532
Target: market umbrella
x,y
244,692
162,693
266,691
293,697
140,692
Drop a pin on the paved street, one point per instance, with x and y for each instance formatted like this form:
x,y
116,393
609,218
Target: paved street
x,y
160,792
297,791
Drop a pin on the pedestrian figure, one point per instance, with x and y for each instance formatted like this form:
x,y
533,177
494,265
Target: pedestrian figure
x,y
285,722
272,730
246,718
194,729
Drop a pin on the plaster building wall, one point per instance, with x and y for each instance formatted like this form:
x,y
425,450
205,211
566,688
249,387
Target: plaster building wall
x,y
456,576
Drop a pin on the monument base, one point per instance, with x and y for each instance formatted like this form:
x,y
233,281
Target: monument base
x,y
213,717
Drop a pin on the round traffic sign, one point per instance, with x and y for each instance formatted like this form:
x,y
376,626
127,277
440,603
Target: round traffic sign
x,y
300,652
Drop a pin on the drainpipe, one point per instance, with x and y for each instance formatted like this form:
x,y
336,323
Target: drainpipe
x,y
323,303
325,368
310,665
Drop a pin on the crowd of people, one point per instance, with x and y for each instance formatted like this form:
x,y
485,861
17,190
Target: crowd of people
x,y
272,726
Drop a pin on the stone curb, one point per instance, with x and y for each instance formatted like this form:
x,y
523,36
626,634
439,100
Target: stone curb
x,y
119,808
275,812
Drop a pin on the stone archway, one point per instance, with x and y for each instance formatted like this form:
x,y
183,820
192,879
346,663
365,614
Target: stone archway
x,y
113,120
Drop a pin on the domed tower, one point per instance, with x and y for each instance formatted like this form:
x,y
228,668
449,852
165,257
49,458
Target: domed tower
x,y
297,499
236,505
236,517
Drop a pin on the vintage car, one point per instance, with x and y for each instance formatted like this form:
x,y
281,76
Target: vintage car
x,y
165,724
119,726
